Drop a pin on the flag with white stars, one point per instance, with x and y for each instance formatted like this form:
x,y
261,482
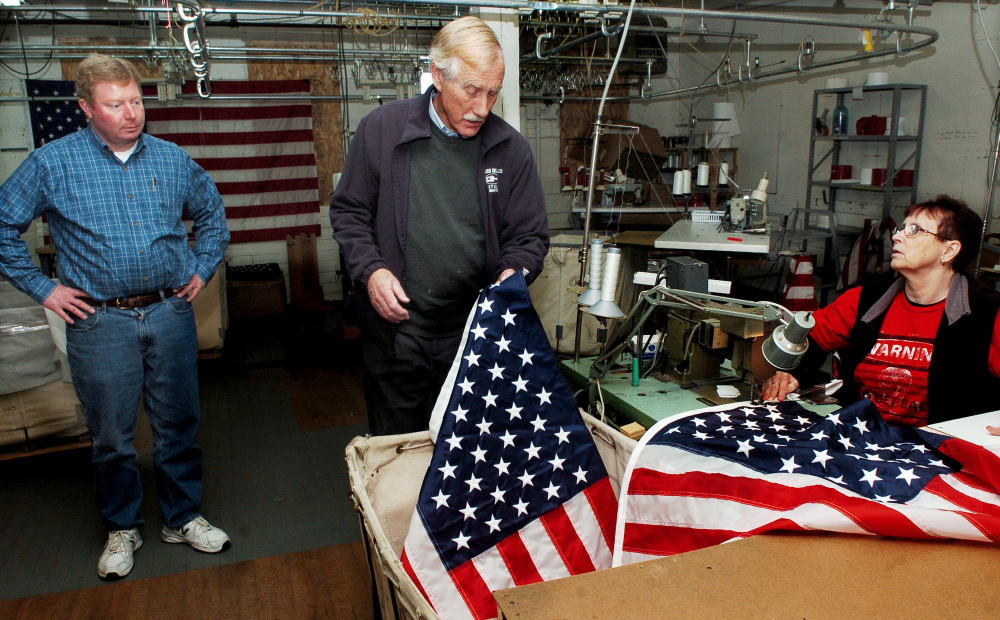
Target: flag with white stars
x,y
516,492
51,120
725,473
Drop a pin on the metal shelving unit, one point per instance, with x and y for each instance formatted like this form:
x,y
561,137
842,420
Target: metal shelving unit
x,y
901,152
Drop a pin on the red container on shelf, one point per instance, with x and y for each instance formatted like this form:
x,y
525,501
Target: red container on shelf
x,y
871,125
879,176
840,172
903,178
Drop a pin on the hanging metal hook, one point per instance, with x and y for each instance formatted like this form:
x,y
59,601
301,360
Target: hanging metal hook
x,y
802,54
545,36
899,51
750,79
611,33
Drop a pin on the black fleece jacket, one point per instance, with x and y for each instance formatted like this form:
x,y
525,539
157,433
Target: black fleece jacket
x,y
368,211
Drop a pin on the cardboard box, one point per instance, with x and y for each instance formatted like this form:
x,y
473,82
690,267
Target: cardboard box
x,y
210,313
784,575
254,298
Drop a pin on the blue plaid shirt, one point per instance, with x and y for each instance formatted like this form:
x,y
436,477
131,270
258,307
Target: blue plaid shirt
x,y
116,226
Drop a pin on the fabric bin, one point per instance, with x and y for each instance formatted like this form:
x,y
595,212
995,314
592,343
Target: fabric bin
x,y
386,474
27,352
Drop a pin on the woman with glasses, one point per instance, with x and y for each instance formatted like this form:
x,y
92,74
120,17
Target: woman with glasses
x,y
924,347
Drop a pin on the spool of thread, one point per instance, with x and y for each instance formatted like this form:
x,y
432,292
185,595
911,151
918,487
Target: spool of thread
x,y
686,182
724,173
703,174
596,261
678,188
609,285
606,307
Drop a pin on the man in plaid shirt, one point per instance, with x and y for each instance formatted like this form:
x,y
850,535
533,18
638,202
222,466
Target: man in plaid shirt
x,y
114,199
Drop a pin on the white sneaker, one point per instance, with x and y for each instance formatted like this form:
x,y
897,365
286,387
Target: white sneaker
x,y
116,561
198,533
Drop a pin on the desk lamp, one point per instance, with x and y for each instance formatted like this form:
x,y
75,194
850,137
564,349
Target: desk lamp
x,y
789,341
758,202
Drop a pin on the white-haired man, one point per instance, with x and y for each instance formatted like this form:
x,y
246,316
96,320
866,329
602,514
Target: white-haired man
x,y
438,199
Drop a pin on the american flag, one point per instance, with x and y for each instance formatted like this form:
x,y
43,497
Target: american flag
x,y
259,153
516,492
726,473
51,120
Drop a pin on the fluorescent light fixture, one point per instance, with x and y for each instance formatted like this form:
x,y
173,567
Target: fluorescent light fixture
x,y
11,2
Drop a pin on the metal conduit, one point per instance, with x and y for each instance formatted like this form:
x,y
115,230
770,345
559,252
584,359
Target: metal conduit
x,y
529,7
219,98
44,49
755,76
523,7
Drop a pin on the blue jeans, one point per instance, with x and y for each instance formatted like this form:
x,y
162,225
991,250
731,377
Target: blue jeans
x,y
116,357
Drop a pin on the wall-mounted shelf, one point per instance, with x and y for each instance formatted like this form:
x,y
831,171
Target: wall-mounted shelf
x,y
859,187
850,138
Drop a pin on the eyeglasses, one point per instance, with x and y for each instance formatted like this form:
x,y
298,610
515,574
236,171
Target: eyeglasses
x,y
911,230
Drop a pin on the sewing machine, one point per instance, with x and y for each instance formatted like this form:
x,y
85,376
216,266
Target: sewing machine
x,y
702,341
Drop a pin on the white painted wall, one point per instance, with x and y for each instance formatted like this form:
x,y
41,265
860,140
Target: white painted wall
x,y
540,125
959,70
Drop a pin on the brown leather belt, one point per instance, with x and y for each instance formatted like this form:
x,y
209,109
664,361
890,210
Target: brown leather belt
x,y
135,301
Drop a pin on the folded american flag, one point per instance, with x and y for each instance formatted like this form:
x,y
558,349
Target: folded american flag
x,y
725,473
516,492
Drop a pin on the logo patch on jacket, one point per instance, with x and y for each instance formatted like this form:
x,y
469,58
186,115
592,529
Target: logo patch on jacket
x,y
493,179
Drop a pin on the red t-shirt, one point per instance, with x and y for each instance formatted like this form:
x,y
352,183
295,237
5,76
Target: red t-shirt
x,y
894,373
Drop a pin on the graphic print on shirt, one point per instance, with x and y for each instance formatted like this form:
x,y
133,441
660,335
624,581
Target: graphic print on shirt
x,y
492,176
894,377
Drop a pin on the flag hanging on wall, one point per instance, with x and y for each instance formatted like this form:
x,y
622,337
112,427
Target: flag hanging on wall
x,y
259,152
51,120
725,473
516,492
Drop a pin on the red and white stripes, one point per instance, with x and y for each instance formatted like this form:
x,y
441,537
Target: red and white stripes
x,y
259,153
569,540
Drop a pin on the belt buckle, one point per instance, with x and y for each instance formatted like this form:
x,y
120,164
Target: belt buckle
x,y
118,303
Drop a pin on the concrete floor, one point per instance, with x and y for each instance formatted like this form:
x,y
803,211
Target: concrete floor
x,y
278,408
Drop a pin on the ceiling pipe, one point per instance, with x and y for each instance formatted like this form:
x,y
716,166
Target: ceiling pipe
x,y
526,8
542,7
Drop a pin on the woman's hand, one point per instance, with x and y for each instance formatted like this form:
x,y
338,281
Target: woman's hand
x,y
778,386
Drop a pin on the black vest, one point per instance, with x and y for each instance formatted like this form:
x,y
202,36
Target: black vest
x,y
959,381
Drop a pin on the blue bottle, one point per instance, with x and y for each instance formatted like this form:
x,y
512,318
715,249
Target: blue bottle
x,y
840,120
